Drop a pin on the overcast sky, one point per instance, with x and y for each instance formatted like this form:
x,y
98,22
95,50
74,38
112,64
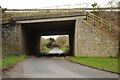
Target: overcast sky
x,y
53,36
26,4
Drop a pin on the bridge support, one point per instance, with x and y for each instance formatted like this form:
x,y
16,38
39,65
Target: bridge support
x,y
85,40
92,41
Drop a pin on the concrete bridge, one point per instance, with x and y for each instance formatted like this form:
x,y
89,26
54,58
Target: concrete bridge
x,y
23,34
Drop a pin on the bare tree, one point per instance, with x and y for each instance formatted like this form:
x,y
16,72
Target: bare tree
x,y
113,3
3,9
119,4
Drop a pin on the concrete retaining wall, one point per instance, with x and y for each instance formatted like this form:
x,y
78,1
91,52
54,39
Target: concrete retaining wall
x,y
11,40
91,41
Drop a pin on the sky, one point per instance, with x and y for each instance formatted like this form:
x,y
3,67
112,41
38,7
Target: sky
x,y
53,36
27,4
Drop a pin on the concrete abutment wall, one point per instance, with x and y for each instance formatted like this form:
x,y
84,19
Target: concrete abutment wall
x,y
11,39
92,41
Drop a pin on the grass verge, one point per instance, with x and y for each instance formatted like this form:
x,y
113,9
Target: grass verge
x,y
109,64
46,50
11,61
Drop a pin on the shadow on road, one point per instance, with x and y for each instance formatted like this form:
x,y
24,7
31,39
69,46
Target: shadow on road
x,y
51,55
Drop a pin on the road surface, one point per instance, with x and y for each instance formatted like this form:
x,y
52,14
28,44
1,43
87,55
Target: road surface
x,y
55,51
52,67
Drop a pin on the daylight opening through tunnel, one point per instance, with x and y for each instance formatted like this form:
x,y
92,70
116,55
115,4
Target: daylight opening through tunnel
x,y
54,44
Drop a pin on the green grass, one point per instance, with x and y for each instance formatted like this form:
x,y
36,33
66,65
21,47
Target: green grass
x,y
46,50
11,61
65,50
110,64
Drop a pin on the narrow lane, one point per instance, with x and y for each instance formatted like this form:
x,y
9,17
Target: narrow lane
x,y
55,51
53,67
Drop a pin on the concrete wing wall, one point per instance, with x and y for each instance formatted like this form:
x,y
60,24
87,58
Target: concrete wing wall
x,y
11,40
92,41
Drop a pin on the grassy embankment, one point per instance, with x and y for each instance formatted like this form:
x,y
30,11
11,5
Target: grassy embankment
x,y
109,64
11,61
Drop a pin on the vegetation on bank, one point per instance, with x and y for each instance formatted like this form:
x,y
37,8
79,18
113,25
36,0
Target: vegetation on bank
x,y
11,61
46,50
109,64
65,49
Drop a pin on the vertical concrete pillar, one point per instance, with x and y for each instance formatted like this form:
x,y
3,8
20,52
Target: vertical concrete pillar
x,y
21,38
77,48
76,38
75,41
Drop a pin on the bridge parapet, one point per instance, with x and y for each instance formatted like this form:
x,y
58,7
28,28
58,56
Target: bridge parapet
x,y
40,15
44,16
64,10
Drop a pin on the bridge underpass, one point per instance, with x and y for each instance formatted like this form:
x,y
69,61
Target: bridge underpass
x,y
33,31
24,33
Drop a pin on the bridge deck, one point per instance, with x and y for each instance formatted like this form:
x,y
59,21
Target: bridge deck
x,y
46,16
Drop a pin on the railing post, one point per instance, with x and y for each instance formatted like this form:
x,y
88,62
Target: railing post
x,y
101,22
68,7
80,7
87,16
110,27
93,19
57,9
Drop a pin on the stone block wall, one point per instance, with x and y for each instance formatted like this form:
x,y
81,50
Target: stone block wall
x,y
91,41
11,41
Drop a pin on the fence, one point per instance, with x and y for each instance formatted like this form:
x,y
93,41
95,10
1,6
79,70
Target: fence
x,y
102,23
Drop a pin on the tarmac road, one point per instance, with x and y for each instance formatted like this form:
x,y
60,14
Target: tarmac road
x,y
52,67
55,51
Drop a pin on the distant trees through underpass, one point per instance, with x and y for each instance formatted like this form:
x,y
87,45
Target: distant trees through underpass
x,y
54,43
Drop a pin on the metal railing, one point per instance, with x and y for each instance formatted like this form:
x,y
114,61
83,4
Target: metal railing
x,y
61,7
71,8
97,21
59,10
81,5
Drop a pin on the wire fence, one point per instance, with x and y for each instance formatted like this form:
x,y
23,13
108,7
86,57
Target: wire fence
x,y
66,8
62,9
69,6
